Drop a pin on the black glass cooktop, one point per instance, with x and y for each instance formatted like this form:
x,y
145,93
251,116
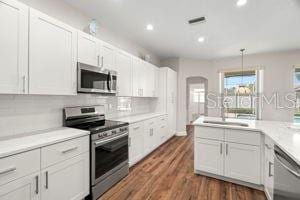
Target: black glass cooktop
x,y
100,126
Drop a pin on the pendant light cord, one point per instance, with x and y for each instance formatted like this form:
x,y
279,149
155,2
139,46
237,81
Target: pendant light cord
x,y
242,50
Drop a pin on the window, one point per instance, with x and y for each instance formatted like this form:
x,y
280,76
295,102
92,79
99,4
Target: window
x,y
239,106
297,91
199,95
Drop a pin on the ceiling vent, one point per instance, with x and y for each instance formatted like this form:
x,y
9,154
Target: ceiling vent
x,y
197,20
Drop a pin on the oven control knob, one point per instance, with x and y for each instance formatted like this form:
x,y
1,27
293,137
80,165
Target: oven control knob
x,y
113,132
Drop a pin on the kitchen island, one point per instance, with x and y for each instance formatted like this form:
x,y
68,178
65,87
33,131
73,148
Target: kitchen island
x,y
242,151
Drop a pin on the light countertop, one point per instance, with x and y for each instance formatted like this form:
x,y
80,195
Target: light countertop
x,y
137,118
11,146
281,133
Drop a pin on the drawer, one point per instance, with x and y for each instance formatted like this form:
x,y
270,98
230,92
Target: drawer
x,y
150,122
242,137
19,165
136,128
62,151
209,133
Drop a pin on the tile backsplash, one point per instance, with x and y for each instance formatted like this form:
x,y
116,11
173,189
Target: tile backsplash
x,y
21,114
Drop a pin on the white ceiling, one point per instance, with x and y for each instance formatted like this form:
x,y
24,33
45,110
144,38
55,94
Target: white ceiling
x,y
259,26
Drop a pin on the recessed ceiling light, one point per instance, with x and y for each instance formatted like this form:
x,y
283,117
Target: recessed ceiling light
x,y
240,3
201,39
150,27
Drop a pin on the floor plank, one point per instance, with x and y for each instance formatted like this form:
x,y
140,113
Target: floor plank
x,y
167,174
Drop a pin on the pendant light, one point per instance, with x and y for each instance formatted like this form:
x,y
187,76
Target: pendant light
x,y
243,89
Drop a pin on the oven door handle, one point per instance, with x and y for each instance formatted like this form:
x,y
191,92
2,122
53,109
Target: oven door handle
x,y
110,139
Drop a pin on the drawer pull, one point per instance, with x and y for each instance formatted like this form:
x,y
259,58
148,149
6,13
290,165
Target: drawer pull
x,y
270,169
268,146
163,119
137,127
69,150
162,126
6,171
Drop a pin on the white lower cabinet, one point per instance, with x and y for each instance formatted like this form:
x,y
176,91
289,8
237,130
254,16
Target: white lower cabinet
x,y
68,180
242,162
232,160
23,178
146,136
26,188
136,143
209,156
269,168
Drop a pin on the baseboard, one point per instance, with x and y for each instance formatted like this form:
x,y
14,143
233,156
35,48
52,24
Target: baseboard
x,y
251,185
181,133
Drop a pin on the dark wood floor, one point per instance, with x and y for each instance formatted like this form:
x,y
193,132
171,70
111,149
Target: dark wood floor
x,y
168,174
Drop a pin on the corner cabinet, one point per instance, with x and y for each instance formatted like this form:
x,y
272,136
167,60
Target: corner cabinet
x,y
13,47
52,56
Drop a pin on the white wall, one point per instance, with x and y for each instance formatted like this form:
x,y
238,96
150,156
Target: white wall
x,y
70,15
278,77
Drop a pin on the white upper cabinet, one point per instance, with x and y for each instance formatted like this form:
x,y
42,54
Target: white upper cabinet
x,y
13,47
107,56
88,49
149,75
52,56
124,70
137,78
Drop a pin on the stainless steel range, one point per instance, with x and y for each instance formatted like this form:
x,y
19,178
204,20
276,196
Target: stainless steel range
x,y
108,146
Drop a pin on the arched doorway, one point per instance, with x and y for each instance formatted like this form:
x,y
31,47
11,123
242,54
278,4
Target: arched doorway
x,y
196,97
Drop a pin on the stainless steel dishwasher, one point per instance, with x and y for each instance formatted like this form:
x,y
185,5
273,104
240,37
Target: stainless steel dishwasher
x,y
287,177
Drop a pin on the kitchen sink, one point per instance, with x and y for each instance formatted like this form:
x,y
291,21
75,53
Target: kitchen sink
x,y
226,123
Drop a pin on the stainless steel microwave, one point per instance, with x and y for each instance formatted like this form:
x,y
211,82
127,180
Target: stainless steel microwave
x,y
92,79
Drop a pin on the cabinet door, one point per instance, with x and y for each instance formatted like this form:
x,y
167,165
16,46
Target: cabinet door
x,y
107,56
209,156
149,77
26,188
67,180
136,77
52,56
136,143
269,171
242,162
124,70
13,47
150,133
88,49
172,100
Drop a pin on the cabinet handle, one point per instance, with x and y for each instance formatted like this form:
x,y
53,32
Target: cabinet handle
x,y
98,61
69,150
268,147
129,142
162,126
226,149
142,92
221,148
270,168
24,83
137,127
6,171
47,181
102,61
37,185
